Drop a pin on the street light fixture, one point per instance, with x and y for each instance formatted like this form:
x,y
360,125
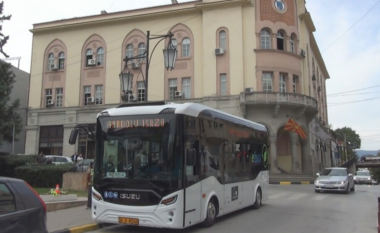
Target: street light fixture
x,y
170,56
126,84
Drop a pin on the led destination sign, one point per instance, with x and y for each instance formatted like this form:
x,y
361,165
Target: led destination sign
x,y
119,124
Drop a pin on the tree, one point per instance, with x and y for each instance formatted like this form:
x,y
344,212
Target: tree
x,y
3,39
351,136
8,115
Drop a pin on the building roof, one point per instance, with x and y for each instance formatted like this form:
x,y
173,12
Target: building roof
x,y
114,15
189,109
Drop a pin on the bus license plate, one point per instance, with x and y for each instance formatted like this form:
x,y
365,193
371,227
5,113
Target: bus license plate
x,y
129,221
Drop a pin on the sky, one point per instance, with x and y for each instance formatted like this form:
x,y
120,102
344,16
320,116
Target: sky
x,y
347,33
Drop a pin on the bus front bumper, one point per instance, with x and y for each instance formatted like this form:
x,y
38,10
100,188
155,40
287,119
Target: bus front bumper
x,y
159,216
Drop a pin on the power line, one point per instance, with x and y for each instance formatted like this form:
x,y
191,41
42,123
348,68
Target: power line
x,y
337,104
364,93
354,90
351,26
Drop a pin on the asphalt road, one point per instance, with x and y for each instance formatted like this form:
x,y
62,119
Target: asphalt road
x,y
294,209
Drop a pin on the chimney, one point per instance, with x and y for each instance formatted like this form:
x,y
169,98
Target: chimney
x,y
103,12
174,2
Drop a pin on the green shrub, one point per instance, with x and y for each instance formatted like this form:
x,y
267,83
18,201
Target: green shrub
x,y
43,175
8,163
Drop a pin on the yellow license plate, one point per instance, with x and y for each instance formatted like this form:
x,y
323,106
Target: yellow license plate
x,y
129,221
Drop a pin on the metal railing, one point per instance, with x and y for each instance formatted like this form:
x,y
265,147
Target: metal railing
x,y
281,97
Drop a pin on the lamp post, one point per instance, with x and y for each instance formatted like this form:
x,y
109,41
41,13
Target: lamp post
x,y
170,56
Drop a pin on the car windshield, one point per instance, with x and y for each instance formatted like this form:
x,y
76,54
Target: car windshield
x,y
139,148
362,173
334,172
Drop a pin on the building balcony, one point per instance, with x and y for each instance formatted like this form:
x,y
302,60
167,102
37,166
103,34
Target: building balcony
x,y
304,105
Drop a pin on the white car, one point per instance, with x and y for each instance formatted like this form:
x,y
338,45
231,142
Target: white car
x,y
363,177
56,159
334,179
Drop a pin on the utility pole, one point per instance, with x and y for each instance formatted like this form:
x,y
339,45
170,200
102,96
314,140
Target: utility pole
x,y
345,147
13,139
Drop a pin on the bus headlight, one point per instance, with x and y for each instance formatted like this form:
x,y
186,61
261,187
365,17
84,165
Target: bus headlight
x,y
169,200
97,196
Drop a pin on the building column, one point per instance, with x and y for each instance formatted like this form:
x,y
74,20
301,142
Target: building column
x,y
32,140
68,149
295,162
276,81
307,157
273,154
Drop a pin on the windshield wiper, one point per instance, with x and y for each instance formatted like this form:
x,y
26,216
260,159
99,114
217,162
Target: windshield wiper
x,y
155,186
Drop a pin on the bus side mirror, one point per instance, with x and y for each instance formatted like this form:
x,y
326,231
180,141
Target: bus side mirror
x,y
73,136
191,157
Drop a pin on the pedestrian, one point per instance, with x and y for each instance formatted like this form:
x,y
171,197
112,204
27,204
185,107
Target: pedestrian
x,y
90,180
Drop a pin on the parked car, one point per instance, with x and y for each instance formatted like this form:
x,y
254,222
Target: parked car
x,y
83,165
334,179
56,159
21,209
363,177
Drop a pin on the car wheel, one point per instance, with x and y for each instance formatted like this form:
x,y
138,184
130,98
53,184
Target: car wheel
x,y
258,201
211,213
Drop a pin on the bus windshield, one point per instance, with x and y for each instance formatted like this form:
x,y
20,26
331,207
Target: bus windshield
x,y
139,148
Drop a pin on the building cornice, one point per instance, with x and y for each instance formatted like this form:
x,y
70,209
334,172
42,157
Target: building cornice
x,y
306,17
107,18
222,4
318,56
308,21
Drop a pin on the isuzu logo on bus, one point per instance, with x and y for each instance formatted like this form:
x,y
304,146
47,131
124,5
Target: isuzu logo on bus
x,y
130,196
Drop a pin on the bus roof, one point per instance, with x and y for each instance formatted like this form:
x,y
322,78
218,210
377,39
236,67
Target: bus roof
x,y
189,109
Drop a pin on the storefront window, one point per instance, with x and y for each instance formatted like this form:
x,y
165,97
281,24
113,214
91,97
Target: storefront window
x,y
51,140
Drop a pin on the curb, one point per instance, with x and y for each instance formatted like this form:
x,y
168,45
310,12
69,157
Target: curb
x,y
84,228
292,182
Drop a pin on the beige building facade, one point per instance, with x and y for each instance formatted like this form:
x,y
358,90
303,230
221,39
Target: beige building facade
x,y
253,58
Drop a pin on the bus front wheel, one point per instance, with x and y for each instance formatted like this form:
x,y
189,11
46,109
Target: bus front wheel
x,y
212,209
258,200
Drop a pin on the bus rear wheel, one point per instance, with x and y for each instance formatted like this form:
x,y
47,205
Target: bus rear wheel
x,y
211,213
258,200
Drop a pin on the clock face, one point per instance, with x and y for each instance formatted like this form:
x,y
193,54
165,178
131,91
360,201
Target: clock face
x,y
280,5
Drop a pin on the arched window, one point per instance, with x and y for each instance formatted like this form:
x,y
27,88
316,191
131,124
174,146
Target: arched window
x,y
292,48
186,47
280,40
141,50
100,56
174,43
129,51
89,54
50,63
222,39
61,64
265,39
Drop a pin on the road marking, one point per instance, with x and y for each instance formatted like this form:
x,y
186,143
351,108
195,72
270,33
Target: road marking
x,y
319,197
297,196
277,195
285,182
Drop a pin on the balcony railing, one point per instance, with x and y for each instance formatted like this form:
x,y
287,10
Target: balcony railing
x,y
280,97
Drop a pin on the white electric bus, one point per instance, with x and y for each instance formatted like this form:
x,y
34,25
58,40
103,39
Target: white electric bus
x,y
176,165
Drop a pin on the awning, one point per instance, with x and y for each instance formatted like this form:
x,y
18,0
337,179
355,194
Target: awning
x,y
319,131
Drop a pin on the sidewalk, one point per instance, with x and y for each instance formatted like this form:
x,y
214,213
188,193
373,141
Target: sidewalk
x,y
66,218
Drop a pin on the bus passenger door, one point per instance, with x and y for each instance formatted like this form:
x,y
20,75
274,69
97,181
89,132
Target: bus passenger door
x,y
193,196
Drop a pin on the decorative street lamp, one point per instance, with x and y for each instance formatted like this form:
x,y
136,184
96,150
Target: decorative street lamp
x,y
170,56
126,84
